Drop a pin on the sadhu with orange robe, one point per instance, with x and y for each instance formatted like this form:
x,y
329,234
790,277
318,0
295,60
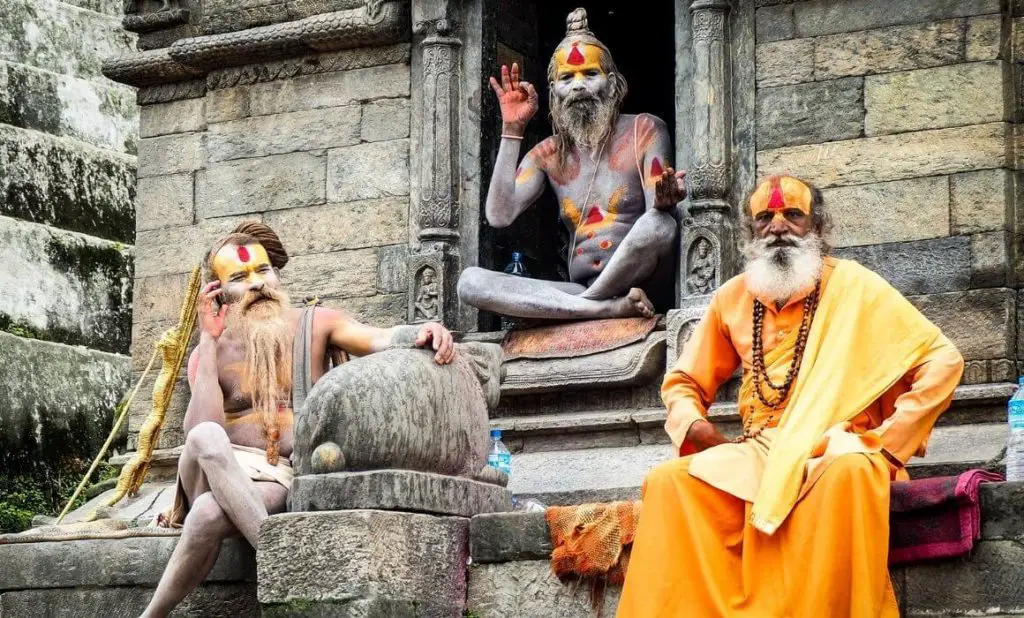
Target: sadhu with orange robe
x,y
843,380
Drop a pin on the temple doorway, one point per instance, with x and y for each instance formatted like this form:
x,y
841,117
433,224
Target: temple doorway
x,y
642,39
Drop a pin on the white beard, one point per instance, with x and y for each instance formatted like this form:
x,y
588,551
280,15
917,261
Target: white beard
x,y
780,272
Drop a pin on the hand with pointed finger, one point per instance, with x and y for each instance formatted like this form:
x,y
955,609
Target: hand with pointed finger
x,y
440,339
670,189
517,98
212,311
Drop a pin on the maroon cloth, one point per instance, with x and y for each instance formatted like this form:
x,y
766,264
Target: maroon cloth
x,y
936,517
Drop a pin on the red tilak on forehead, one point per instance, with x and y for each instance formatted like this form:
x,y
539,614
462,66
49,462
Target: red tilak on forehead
x,y
575,57
777,201
243,254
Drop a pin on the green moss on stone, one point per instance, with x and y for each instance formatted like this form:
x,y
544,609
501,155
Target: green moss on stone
x,y
44,492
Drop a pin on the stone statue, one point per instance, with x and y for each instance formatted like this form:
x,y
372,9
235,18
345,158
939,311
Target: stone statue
x,y
427,297
611,175
702,268
400,410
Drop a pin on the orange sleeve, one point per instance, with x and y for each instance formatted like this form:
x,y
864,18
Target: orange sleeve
x,y
932,383
708,359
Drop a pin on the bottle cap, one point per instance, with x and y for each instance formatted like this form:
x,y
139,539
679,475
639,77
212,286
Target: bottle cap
x,y
517,256
496,434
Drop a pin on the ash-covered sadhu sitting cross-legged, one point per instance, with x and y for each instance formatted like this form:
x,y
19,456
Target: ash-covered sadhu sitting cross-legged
x,y
843,380
234,468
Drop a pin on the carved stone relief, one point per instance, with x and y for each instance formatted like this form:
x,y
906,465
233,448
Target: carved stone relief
x,y
427,304
680,324
703,263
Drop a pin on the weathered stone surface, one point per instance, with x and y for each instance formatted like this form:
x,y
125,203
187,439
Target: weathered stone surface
x,y
350,225
502,537
934,98
136,561
309,559
63,411
983,582
384,120
922,267
68,185
980,201
173,250
184,116
990,259
392,276
397,490
367,171
257,185
891,157
260,136
823,17
437,412
109,7
325,90
64,287
165,201
101,114
171,154
209,601
227,104
810,113
382,310
785,62
339,274
57,37
158,298
1002,517
529,588
982,323
985,38
889,212
897,48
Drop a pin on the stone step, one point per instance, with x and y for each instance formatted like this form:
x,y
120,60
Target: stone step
x,y
616,473
511,572
618,427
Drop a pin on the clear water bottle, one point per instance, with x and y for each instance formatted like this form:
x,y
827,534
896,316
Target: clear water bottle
x,y
499,457
1015,442
516,266
528,506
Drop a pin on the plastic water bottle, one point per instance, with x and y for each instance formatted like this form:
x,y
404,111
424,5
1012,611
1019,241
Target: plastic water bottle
x,y
499,457
516,266
529,505
1015,442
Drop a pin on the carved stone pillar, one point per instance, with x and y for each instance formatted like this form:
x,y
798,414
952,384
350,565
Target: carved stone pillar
x,y
434,264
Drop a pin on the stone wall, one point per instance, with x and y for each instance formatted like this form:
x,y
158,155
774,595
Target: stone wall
x,y
902,113
318,148
68,140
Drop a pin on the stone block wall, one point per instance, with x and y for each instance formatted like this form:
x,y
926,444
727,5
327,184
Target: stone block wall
x,y
902,113
68,141
318,148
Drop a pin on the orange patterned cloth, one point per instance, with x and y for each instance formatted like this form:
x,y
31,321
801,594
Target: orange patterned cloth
x,y
592,542
574,339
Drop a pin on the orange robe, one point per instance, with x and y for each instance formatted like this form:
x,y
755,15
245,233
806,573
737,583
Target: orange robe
x,y
819,544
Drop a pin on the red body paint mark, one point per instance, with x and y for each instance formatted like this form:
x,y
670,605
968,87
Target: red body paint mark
x,y
594,216
575,57
605,244
243,254
777,202
598,263
656,167
590,235
579,251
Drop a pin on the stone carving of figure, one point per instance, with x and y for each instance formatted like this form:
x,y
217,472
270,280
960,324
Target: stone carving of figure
x,y
702,268
610,173
427,298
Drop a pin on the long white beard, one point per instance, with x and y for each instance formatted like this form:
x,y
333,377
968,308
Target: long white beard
x,y
779,272
587,124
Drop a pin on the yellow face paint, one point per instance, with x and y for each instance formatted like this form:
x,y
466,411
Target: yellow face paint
x,y
577,59
779,193
240,263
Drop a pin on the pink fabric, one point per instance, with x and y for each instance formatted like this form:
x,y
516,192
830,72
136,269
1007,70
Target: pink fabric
x,y
936,517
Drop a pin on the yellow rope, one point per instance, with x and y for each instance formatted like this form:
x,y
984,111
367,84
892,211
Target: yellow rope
x,y
172,347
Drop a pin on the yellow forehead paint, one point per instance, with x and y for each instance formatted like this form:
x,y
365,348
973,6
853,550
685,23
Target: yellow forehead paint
x,y
778,193
232,259
577,58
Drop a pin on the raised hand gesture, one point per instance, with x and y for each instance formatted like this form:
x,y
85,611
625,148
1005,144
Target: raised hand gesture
x,y
517,98
211,314
670,189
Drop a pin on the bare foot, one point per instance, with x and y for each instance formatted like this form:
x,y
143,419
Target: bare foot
x,y
640,303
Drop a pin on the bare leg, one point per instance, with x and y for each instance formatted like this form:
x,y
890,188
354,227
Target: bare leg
x,y
534,298
209,521
651,237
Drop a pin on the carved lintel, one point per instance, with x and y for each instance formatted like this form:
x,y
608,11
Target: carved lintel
x,y
151,22
176,91
377,22
432,279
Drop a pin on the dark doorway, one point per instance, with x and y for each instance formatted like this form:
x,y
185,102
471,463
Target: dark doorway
x,y
641,37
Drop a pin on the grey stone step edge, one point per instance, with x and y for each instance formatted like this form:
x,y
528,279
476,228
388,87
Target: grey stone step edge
x,y
507,537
